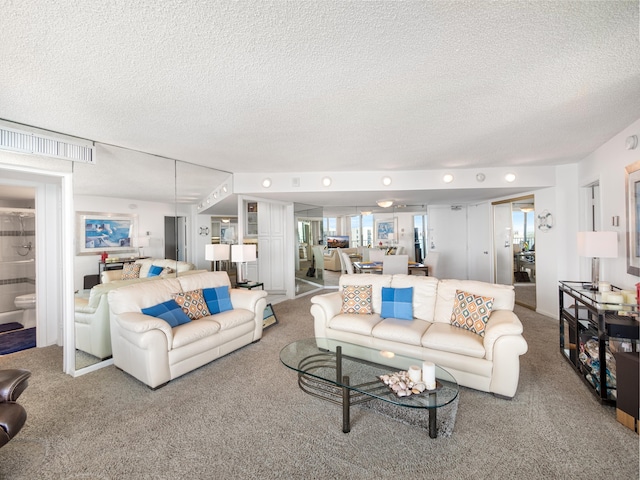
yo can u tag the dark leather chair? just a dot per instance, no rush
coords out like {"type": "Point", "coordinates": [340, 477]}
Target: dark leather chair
{"type": "Point", "coordinates": [12, 415]}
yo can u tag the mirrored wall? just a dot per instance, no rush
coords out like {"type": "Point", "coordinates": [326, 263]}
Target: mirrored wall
{"type": "Point", "coordinates": [320, 230]}
{"type": "Point", "coordinates": [131, 205]}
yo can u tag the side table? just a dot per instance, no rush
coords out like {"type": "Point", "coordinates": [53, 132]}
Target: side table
{"type": "Point", "coordinates": [250, 285]}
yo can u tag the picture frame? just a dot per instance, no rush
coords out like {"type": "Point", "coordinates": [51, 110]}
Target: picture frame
{"type": "Point", "coordinates": [106, 232]}
{"type": "Point", "coordinates": [269, 317]}
{"type": "Point", "coordinates": [632, 192]}
{"type": "Point", "coordinates": [385, 230]}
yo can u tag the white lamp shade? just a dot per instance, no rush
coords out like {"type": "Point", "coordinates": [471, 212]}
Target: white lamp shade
{"type": "Point", "coordinates": [243, 253]}
{"type": "Point", "coordinates": [598, 244]}
{"type": "Point", "coordinates": [143, 241]}
{"type": "Point", "coordinates": [216, 252]}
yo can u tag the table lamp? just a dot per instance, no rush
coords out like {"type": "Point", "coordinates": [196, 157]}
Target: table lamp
{"type": "Point", "coordinates": [242, 254]}
{"type": "Point", "coordinates": [216, 252]}
{"type": "Point", "coordinates": [142, 242]}
{"type": "Point", "coordinates": [597, 245]}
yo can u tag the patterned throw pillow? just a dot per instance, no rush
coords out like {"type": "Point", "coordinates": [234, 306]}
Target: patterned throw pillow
{"type": "Point", "coordinates": [131, 271]}
{"type": "Point", "coordinates": [217, 299]}
{"type": "Point", "coordinates": [471, 312]}
{"type": "Point", "coordinates": [154, 271]}
{"type": "Point", "coordinates": [168, 311]}
{"type": "Point", "coordinates": [397, 303]}
{"type": "Point", "coordinates": [192, 304]}
{"type": "Point", "coordinates": [356, 299]}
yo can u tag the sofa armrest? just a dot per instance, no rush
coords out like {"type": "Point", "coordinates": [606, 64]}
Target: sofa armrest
{"type": "Point", "coordinates": [81, 305]}
{"type": "Point", "coordinates": [139, 323]}
{"type": "Point", "coordinates": [247, 299]}
{"type": "Point", "coordinates": [501, 323]}
{"type": "Point", "coordinates": [323, 308]}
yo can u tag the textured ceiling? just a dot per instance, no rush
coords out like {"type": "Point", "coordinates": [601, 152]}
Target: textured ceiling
{"type": "Point", "coordinates": [257, 86]}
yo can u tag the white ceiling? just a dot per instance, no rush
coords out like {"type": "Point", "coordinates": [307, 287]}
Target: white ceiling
{"type": "Point", "coordinates": [296, 86]}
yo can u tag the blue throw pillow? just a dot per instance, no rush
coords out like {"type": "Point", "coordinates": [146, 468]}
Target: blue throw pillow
{"type": "Point", "coordinates": [168, 311]}
{"type": "Point", "coordinates": [397, 303]}
{"type": "Point", "coordinates": [154, 271]}
{"type": "Point", "coordinates": [217, 299]}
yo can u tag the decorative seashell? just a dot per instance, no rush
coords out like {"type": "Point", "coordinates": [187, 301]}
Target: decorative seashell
{"type": "Point", "coordinates": [403, 385]}
{"type": "Point", "coordinates": [421, 387]}
{"type": "Point", "coordinates": [415, 390]}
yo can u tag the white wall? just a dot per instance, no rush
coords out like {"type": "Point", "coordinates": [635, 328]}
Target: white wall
{"type": "Point", "coordinates": [607, 166]}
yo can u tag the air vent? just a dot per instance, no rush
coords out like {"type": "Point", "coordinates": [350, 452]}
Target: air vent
{"type": "Point", "coordinates": [68, 148]}
{"type": "Point", "coordinates": [456, 207]}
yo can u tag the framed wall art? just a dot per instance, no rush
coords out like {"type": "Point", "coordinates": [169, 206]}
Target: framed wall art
{"type": "Point", "coordinates": [385, 230]}
{"type": "Point", "coordinates": [106, 232]}
{"type": "Point", "coordinates": [632, 177]}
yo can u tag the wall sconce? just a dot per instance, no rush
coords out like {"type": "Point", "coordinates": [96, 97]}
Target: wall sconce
{"type": "Point", "coordinates": [545, 221]}
{"type": "Point", "coordinates": [204, 231]}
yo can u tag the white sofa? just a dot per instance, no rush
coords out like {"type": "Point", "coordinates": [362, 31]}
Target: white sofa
{"type": "Point", "coordinates": [149, 349]}
{"type": "Point", "coordinates": [145, 264]}
{"type": "Point", "coordinates": [489, 363]}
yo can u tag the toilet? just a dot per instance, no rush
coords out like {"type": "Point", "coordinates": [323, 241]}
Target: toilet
{"type": "Point", "coordinates": [27, 303]}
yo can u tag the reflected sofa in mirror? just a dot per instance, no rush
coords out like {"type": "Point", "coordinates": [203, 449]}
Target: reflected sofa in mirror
{"type": "Point", "coordinates": [309, 257]}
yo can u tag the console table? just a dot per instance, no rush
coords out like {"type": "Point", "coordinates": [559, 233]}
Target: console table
{"type": "Point", "coordinates": [585, 315]}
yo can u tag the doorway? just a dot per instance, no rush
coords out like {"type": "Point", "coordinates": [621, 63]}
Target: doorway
{"type": "Point", "coordinates": [514, 247]}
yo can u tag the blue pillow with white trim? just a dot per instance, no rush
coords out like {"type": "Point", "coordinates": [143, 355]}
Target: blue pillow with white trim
{"type": "Point", "coordinates": [218, 299]}
{"type": "Point", "coordinates": [168, 311]}
{"type": "Point", "coordinates": [397, 303]}
{"type": "Point", "coordinates": [154, 271]}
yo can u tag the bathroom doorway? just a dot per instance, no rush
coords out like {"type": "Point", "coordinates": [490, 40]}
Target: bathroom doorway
{"type": "Point", "coordinates": [17, 268]}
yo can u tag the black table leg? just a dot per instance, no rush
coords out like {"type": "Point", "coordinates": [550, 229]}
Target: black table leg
{"type": "Point", "coordinates": [346, 405]}
{"type": "Point", "coordinates": [433, 429]}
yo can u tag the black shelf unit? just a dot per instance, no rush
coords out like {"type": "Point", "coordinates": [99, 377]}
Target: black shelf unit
{"type": "Point", "coordinates": [585, 315]}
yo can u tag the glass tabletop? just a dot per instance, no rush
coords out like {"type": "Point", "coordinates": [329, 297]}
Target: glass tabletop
{"type": "Point", "coordinates": [316, 357]}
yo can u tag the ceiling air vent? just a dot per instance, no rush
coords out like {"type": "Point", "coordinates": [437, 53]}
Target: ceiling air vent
{"type": "Point", "coordinates": [68, 148]}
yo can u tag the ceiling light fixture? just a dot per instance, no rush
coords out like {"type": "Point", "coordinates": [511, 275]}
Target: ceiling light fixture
{"type": "Point", "coordinates": [365, 212]}
{"type": "Point", "coordinates": [326, 181]}
{"type": "Point", "coordinates": [266, 183]}
{"type": "Point", "coordinates": [224, 189]}
{"type": "Point", "coordinates": [448, 178]}
{"type": "Point", "coordinates": [510, 177]}
{"type": "Point", "coordinates": [386, 181]}
{"type": "Point", "coordinates": [385, 203]}
{"type": "Point", "coordinates": [526, 209]}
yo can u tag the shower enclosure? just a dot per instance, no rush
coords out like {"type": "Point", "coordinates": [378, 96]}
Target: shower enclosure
{"type": "Point", "coordinates": [17, 259]}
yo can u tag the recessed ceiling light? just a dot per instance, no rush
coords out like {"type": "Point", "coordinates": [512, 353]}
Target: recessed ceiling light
{"type": "Point", "coordinates": [386, 181]}
{"type": "Point", "coordinates": [510, 177]}
{"type": "Point", "coordinates": [326, 181]}
{"type": "Point", "coordinates": [266, 183]}
{"type": "Point", "coordinates": [447, 178]}
{"type": "Point", "coordinates": [224, 188]}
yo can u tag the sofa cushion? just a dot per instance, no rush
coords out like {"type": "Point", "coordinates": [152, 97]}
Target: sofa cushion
{"type": "Point", "coordinates": [130, 270]}
{"type": "Point", "coordinates": [424, 293]}
{"type": "Point", "coordinates": [503, 296]}
{"type": "Point", "coordinates": [471, 312]}
{"type": "Point", "coordinates": [447, 338]}
{"type": "Point", "coordinates": [168, 311]}
{"type": "Point", "coordinates": [194, 331]}
{"type": "Point", "coordinates": [232, 318]}
{"type": "Point", "coordinates": [193, 304]}
{"type": "Point", "coordinates": [217, 299]}
{"type": "Point", "coordinates": [376, 282]}
{"type": "Point", "coordinates": [401, 331]}
{"type": "Point", "coordinates": [154, 271]}
{"type": "Point", "coordinates": [354, 323]}
{"type": "Point", "coordinates": [397, 303]}
{"type": "Point", "coordinates": [356, 299]}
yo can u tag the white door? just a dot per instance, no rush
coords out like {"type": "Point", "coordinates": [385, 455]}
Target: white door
{"type": "Point", "coordinates": [502, 238]}
{"type": "Point", "coordinates": [479, 241]}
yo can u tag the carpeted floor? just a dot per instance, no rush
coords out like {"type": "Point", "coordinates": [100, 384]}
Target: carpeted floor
{"type": "Point", "coordinates": [243, 416]}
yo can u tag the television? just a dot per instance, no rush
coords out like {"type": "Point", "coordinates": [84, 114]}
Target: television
{"type": "Point", "coordinates": [340, 241]}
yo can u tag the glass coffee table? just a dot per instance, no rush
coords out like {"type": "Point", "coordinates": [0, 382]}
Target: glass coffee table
{"type": "Point", "coordinates": [348, 374]}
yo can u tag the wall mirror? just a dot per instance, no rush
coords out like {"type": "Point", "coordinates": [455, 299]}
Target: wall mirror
{"type": "Point", "coordinates": [158, 199]}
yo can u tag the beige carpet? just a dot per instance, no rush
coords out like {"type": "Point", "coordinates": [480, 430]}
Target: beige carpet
{"type": "Point", "coordinates": [243, 416]}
